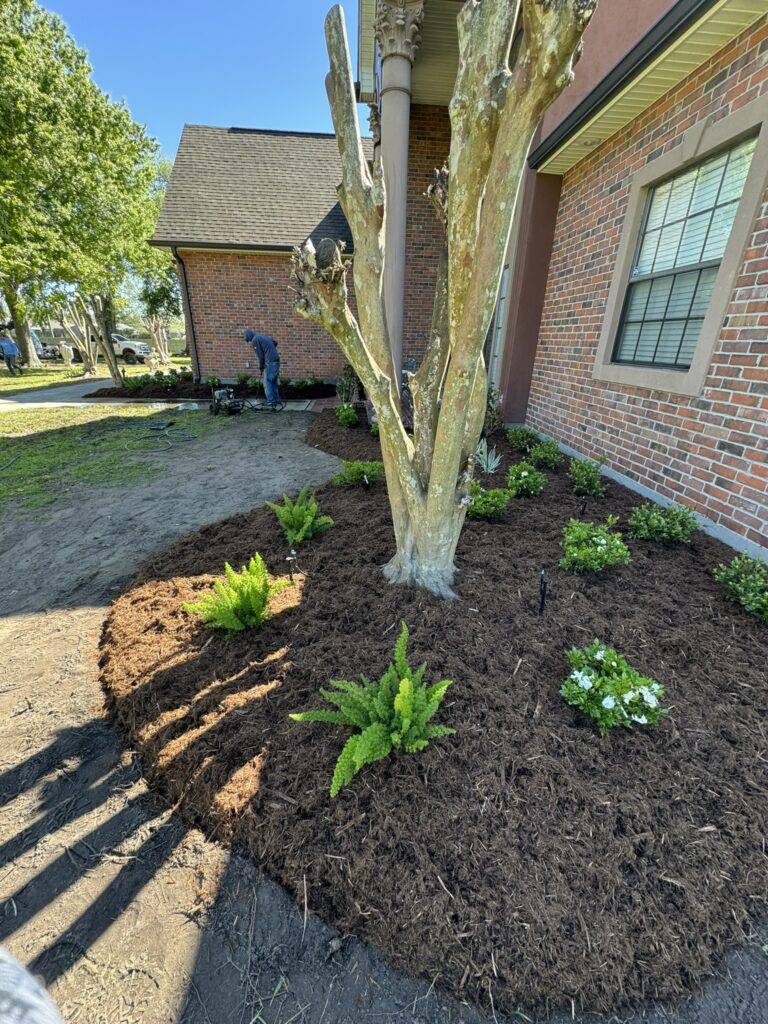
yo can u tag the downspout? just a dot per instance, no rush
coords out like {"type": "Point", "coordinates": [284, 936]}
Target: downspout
{"type": "Point", "coordinates": [190, 318]}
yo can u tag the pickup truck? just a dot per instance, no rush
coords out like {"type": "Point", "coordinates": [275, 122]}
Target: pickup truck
{"type": "Point", "coordinates": [128, 349]}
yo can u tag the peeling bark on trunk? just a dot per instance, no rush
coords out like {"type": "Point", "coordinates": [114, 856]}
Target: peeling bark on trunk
{"type": "Point", "coordinates": [98, 311]}
{"type": "Point", "coordinates": [18, 311]}
{"type": "Point", "coordinates": [158, 334]}
{"type": "Point", "coordinates": [494, 112]}
{"type": "Point", "coordinates": [77, 327]}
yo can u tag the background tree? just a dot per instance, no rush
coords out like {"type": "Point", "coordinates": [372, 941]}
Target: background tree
{"type": "Point", "coordinates": [42, 76]}
{"type": "Point", "coordinates": [494, 112]}
{"type": "Point", "coordinates": [74, 174]}
{"type": "Point", "coordinates": [159, 290]}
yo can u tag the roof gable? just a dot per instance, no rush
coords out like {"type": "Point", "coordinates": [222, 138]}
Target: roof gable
{"type": "Point", "coordinates": [252, 188]}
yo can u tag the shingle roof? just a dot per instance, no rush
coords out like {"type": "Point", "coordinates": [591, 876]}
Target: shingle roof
{"type": "Point", "coordinates": [252, 188]}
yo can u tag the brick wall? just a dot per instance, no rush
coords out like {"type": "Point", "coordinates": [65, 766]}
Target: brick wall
{"type": "Point", "coordinates": [230, 291]}
{"type": "Point", "coordinates": [428, 145]}
{"type": "Point", "coordinates": [708, 452]}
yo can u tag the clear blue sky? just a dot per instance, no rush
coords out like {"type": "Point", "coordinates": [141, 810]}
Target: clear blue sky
{"type": "Point", "coordinates": [251, 63]}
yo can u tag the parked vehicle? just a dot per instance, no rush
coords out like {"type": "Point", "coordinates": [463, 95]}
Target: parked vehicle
{"type": "Point", "coordinates": [131, 350]}
{"type": "Point", "coordinates": [44, 351]}
{"type": "Point", "coordinates": [128, 349]}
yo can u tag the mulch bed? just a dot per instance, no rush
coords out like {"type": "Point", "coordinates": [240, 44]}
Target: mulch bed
{"type": "Point", "coordinates": [189, 390]}
{"type": "Point", "coordinates": [524, 859]}
{"type": "Point", "coordinates": [346, 442]}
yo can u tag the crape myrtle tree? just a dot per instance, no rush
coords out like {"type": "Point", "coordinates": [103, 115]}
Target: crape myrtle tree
{"type": "Point", "coordinates": [159, 284]}
{"type": "Point", "coordinates": [497, 103]}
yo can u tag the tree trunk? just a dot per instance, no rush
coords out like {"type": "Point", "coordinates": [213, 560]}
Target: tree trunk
{"type": "Point", "coordinates": [159, 336]}
{"type": "Point", "coordinates": [79, 333]}
{"type": "Point", "coordinates": [99, 313]}
{"type": "Point", "coordinates": [494, 112]}
{"type": "Point", "coordinates": [17, 309]}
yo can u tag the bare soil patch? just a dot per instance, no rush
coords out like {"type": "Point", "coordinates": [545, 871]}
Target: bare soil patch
{"type": "Point", "coordinates": [523, 860]}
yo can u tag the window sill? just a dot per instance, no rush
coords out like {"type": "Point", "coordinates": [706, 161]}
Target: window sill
{"type": "Point", "coordinates": [652, 378]}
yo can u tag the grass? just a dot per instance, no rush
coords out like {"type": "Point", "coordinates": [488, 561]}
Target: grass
{"type": "Point", "coordinates": [56, 374]}
{"type": "Point", "coordinates": [44, 452]}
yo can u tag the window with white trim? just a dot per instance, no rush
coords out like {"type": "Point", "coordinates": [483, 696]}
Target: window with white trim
{"type": "Point", "coordinates": [686, 226]}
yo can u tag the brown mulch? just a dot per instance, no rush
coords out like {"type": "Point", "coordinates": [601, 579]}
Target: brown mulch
{"type": "Point", "coordinates": [190, 390]}
{"type": "Point", "coordinates": [524, 859]}
{"type": "Point", "coordinates": [346, 442]}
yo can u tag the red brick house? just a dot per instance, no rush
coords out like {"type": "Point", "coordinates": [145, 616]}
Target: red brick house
{"type": "Point", "coordinates": [632, 321]}
{"type": "Point", "coordinates": [238, 201]}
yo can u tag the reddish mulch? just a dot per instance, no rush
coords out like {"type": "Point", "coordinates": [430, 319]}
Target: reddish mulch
{"type": "Point", "coordinates": [523, 858]}
{"type": "Point", "coordinates": [346, 442]}
{"type": "Point", "coordinates": [187, 389]}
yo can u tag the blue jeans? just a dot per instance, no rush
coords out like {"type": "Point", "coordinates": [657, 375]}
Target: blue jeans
{"type": "Point", "coordinates": [271, 379]}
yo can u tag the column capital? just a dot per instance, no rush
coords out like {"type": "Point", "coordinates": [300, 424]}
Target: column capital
{"type": "Point", "coordinates": [398, 27]}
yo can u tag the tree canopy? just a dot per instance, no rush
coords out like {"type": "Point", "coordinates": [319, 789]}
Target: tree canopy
{"type": "Point", "coordinates": [76, 171]}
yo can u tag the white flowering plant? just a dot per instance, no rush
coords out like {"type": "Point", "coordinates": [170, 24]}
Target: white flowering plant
{"type": "Point", "coordinates": [525, 481]}
{"type": "Point", "coordinates": [604, 686]}
{"type": "Point", "coordinates": [592, 547]}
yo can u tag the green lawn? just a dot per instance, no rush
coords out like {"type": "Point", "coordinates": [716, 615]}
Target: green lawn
{"type": "Point", "coordinates": [55, 374]}
{"type": "Point", "coordinates": [46, 451]}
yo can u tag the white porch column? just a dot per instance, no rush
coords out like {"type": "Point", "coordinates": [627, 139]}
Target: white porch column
{"type": "Point", "coordinates": [398, 33]}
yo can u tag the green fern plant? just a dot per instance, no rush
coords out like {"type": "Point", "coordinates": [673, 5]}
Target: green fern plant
{"type": "Point", "coordinates": [391, 714]}
{"type": "Point", "coordinates": [300, 518]}
{"type": "Point", "coordinates": [240, 600]}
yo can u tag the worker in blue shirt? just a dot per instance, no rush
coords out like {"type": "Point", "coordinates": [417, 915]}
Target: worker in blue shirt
{"type": "Point", "coordinates": [10, 353]}
{"type": "Point", "coordinates": [265, 347]}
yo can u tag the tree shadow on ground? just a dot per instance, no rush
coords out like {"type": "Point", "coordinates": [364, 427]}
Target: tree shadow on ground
{"type": "Point", "coordinates": [87, 776]}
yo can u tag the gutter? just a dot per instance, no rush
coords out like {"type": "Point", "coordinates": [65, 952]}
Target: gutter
{"type": "Point", "coordinates": [188, 302]}
{"type": "Point", "coordinates": [674, 23]}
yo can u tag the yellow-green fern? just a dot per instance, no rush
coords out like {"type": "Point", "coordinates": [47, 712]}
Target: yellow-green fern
{"type": "Point", "coordinates": [391, 714]}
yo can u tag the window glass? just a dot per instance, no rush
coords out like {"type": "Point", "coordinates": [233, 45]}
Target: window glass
{"type": "Point", "coordinates": [687, 225]}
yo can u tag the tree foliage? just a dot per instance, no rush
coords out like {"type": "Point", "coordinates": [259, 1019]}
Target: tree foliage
{"type": "Point", "coordinates": [75, 173]}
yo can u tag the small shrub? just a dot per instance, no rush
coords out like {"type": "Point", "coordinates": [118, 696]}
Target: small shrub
{"type": "Point", "coordinates": [391, 714]}
{"type": "Point", "coordinates": [213, 382]}
{"type": "Point", "coordinates": [346, 415]}
{"type": "Point", "coordinates": [357, 473]}
{"type": "Point", "coordinates": [254, 384]}
{"type": "Point", "coordinates": [592, 547]}
{"type": "Point", "coordinates": [746, 581]}
{"type": "Point", "coordinates": [488, 459]}
{"type": "Point", "coordinates": [374, 430]}
{"type": "Point", "coordinates": [586, 478]}
{"type": "Point", "coordinates": [159, 376]}
{"type": "Point", "coordinates": [186, 375]}
{"type": "Point", "coordinates": [607, 688]}
{"type": "Point", "coordinates": [522, 439]}
{"type": "Point", "coordinates": [493, 414]}
{"type": "Point", "coordinates": [137, 383]}
{"type": "Point", "coordinates": [523, 481]}
{"type": "Point", "coordinates": [240, 600]}
{"type": "Point", "coordinates": [666, 525]}
{"type": "Point", "coordinates": [300, 518]}
{"type": "Point", "coordinates": [487, 504]}
{"type": "Point", "coordinates": [243, 379]}
{"type": "Point", "coordinates": [347, 386]}
{"type": "Point", "coordinates": [546, 455]}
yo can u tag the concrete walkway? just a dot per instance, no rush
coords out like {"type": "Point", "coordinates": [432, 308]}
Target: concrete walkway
{"type": "Point", "coordinates": [75, 395]}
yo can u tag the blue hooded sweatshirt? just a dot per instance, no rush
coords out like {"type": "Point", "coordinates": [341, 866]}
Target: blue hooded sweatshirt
{"type": "Point", "coordinates": [8, 346]}
{"type": "Point", "coordinates": [264, 346]}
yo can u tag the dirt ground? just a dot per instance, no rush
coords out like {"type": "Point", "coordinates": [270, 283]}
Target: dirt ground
{"type": "Point", "coordinates": [126, 913]}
